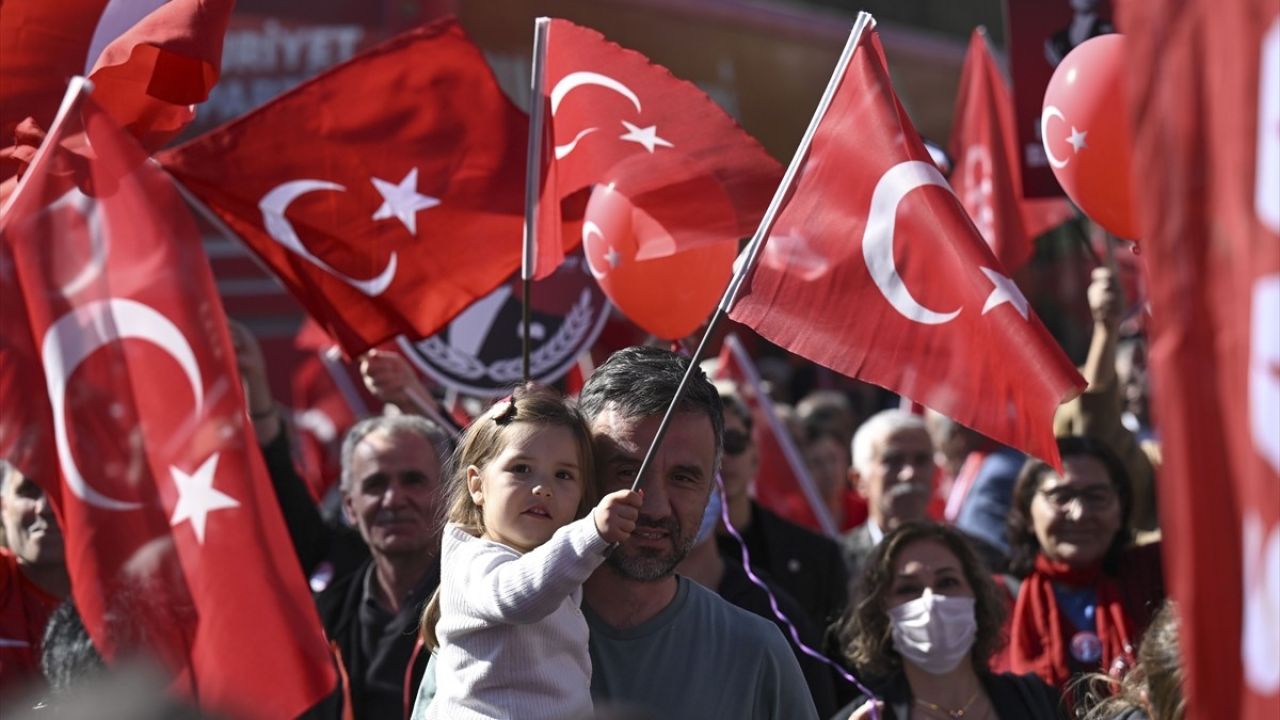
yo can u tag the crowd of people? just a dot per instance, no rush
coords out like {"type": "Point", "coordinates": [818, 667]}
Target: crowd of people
{"type": "Point", "coordinates": [512, 572]}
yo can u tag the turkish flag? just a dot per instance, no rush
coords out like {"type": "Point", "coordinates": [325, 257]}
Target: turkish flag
{"type": "Point", "coordinates": [984, 145]}
{"type": "Point", "coordinates": [1205, 112]}
{"type": "Point", "coordinates": [175, 544]}
{"type": "Point", "coordinates": [150, 62]}
{"type": "Point", "coordinates": [875, 270]}
{"type": "Point", "coordinates": [387, 193]}
{"type": "Point", "coordinates": [614, 117]}
{"type": "Point", "coordinates": [782, 483]}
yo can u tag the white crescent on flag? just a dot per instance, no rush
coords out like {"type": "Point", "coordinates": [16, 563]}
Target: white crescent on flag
{"type": "Point", "coordinates": [877, 238]}
{"type": "Point", "coordinates": [72, 338]}
{"type": "Point", "coordinates": [90, 210]}
{"type": "Point", "coordinates": [273, 206]}
{"type": "Point", "coordinates": [578, 79]}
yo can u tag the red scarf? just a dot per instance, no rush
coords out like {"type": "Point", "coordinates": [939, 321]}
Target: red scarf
{"type": "Point", "coordinates": [1038, 640]}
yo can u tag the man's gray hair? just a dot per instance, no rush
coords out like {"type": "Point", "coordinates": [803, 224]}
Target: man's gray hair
{"type": "Point", "coordinates": [873, 432]}
{"type": "Point", "coordinates": [392, 425]}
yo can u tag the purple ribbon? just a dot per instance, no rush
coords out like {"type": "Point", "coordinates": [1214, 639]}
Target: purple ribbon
{"type": "Point", "coordinates": [777, 611]}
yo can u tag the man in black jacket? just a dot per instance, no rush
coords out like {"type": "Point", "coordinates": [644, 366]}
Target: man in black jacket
{"type": "Point", "coordinates": [382, 573]}
{"type": "Point", "coordinates": [807, 565]}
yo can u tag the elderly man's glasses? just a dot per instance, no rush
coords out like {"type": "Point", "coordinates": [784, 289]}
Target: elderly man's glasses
{"type": "Point", "coordinates": [1094, 499]}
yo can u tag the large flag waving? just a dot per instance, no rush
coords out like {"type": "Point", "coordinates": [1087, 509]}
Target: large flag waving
{"type": "Point", "coordinates": [874, 270]}
{"type": "Point", "coordinates": [150, 62]}
{"type": "Point", "coordinates": [984, 145]}
{"type": "Point", "coordinates": [1204, 86]}
{"type": "Point", "coordinates": [175, 544]}
{"type": "Point", "coordinates": [614, 117]}
{"type": "Point", "coordinates": [385, 193]}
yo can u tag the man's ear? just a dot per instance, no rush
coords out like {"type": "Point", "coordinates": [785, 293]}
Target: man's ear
{"type": "Point", "coordinates": [474, 486]}
{"type": "Point", "coordinates": [858, 483]}
{"type": "Point", "coordinates": [348, 509]}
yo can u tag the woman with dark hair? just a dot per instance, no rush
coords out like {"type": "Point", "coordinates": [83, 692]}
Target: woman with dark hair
{"type": "Point", "coordinates": [924, 629]}
{"type": "Point", "coordinates": [1086, 594]}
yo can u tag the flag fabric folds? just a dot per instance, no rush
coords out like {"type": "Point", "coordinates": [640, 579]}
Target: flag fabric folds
{"type": "Point", "coordinates": [615, 118]}
{"type": "Point", "coordinates": [1205, 100]}
{"type": "Point", "coordinates": [386, 194]}
{"type": "Point", "coordinates": [175, 543]}
{"type": "Point", "coordinates": [984, 147]}
{"type": "Point", "coordinates": [874, 270]}
{"type": "Point", "coordinates": [150, 62]}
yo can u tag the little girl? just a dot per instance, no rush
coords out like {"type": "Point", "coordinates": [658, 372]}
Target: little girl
{"type": "Point", "coordinates": [509, 637]}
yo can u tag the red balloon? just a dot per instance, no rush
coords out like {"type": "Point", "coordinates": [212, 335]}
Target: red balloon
{"type": "Point", "coordinates": [668, 296]}
{"type": "Point", "coordinates": [1085, 127]}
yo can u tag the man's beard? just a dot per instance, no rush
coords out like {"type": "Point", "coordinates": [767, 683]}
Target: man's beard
{"type": "Point", "coordinates": [647, 565]}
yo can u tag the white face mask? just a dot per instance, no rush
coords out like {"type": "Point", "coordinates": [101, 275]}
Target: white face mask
{"type": "Point", "coordinates": [934, 632]}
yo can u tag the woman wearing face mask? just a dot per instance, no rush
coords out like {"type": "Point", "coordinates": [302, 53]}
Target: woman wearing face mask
{"type": "Point", "coordinates": [924, 631]}
{"type": "Point", "coordinates": [1085, 595]}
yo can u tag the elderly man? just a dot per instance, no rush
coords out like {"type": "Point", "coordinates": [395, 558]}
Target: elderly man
{"type": "Point", "coordinates": [390, 485]}
{"type": "Point", "coordinates": [391, 476]}
{"type": "Point", "coordinates": [376, 579]}
{"type": "Point", "coordinates": [658, 640]}
{"type": "Point", "coordinates": [33, 575]}
{"type": "Point", "coordinates": [893, 469]}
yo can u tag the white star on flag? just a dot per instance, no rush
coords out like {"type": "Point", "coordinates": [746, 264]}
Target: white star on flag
{"type": "Point", "coordinates": [402, 201]}
{"type": "Point", "coordinates": [1077, 139]}
{"type": "Point", "coordinates": [648, 137]}
{"type": "Point", "coordinates": [1006, 291]}
{"type": "Point", "coordinates": [197, 498]}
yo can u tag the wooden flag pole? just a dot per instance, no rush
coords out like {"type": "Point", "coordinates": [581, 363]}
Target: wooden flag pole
{"type": "Point", "coordinates": [752, 251]}
{"type": "Point", "coordinates": [532, 184]}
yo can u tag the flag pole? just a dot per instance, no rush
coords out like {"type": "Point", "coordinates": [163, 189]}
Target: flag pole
{"type": "Point", "coordinates": [752, 251]}
{"type": "Point", "coordinates": [532, 184]}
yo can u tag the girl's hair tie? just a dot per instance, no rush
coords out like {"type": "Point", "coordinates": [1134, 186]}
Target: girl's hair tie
{"type": "Point", "coordinates": [504, 411]}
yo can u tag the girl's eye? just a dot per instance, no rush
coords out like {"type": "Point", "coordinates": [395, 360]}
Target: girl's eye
{"type": "Point", "coordinates": [947, 582]}
{"type": "Point", "coordinates": [520, 468]}
{"type": "Point", "coordinates": [907, 590]}
{"type": "Point", "coordinates": [565, 475]}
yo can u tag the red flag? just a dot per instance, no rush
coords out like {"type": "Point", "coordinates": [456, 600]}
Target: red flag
{"type": "Point", "coordinates": [1205, 100]}
{"type": "Point", "coordinates": [875, 271]}
{"type": "Point", "coordinates": [150, 61]}
{"type": "Point", "coordinates": [175, 543]}
{"type": "Point", "coordinates": [616, 118]}
{"type": "Point", "coordinates": [783, 483]}
{"type": "Point", "coordinates": [386, 193]}
{"type": "Point", "coordinates": [323, 394]}
{"type": "Point", "coordinates": [985, 148]}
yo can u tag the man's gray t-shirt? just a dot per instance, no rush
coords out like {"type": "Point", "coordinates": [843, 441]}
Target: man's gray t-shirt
{"type": "Point", "coordinates": [699, 658]}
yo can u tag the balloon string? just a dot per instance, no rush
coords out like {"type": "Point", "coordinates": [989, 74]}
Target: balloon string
{"type": "Point", "coordinates": [777, 611]}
